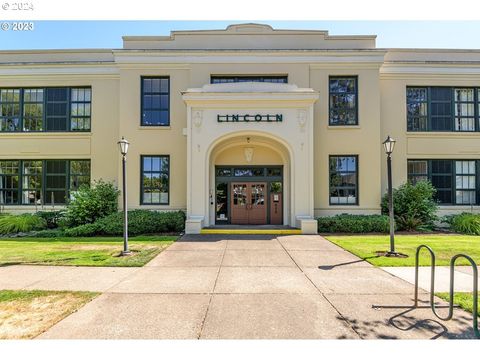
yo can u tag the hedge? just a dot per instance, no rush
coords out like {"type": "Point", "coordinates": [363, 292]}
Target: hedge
{"type": "Point", "coordinates": [139, 222]}
{"type": "Point", "coordinates": [346, 223]}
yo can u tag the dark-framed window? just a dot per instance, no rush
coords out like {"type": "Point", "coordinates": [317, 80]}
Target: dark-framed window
{"type": "Point", "coordinates": [155, 180]}
{"type": "Point", "coordinates": [441, 108]}
{"type": "Point", "coordinates": [155, 107]}
{"type": "Point", "coordinates": [222, 79]}
{"type": "Point", "coordinates": [80, 109]}
{"type": "Point", "coordinates": [10, 110]}
{"type": "Point", "coordinates": [41, 182]}
{"type": "Point", "coordinates": [52, 109]}
{"type": "Point", "coordinates": [343, 179]}
{"type": "Point", "coordinates": [456, 181]}
{"type": "Point", "coordinates": [9, 182]}
{"type": "Point", "coordinates": [343, 100]}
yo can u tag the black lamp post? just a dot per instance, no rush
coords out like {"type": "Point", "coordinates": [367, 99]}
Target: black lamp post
{"type": "Point", "coordinates": [123, 145]}
{"type": "Point", "coordinates": [389, 145]}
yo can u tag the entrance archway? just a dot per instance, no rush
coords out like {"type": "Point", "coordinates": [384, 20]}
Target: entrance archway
{"type": "Point", "coordinates": [249, 180]}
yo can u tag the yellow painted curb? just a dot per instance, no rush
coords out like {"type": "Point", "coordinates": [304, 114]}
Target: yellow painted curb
{"type": "Point", "coordinates": [252, 231]}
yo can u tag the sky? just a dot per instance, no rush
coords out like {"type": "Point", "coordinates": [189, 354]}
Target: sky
{"type": "Point", "coordinates": [108, 34]}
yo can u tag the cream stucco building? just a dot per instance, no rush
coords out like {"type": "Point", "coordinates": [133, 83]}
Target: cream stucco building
{"type": "Point", "coordinates": [247, 125]}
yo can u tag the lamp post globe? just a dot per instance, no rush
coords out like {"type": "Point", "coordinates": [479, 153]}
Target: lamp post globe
{"type": "Point", "coordinates": [123, 146]}
{"type": "Point", "coordinates": [389, 145]}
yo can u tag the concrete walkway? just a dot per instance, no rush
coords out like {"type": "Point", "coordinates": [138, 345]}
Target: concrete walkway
{"type": "Point", "coordinates": [241, 287]}
{"type": "Point", "coordinates": [463, 277]}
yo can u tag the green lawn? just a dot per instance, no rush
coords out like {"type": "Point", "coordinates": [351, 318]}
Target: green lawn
{"type": "Point", "coordinates": [24, 314]}
{"type": "Point", "coordinates": [462, 299]}
{"type": "Point", "coordinates": [444, 246]}
{"type": "Point", "coordinates": [96, 251]}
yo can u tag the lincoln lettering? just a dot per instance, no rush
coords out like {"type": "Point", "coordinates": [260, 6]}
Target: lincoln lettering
{"type": "Point", "coordinates": [250, 118]}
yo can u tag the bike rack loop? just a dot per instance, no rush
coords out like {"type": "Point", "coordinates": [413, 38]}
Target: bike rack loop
{"type": "Point", "coordinates": [452, 285]}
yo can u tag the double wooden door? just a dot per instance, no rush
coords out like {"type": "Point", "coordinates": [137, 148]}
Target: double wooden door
{"type": "Point", "coordinates": [249, 203]}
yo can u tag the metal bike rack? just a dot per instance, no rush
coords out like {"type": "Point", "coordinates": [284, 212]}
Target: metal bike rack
{"type": "Point", "coordinates": [452, 287]}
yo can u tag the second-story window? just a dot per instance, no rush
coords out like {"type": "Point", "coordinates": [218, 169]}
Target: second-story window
{"type": "Point", "coordinates": [343, 100]}
{"type": "Point", "coordinates": [45, 109]}
{"type": "Point", "coordinates": [155, 101]}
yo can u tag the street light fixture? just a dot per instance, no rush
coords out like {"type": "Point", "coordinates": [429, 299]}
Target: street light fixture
{"type": "Point", "coordinates": [389, 145]}
{"type": "Point", "coordinates": [123, 145]}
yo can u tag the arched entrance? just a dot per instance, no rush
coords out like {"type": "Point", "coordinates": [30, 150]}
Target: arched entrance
{"type": "Point", "coordinates": [250, 126]}
{"type": "Point", "coordinates": [249, 181]}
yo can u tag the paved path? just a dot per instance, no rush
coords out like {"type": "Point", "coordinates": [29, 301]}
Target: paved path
{"type": "Point", "coordinates": [232, 287]}
{"type": "Point", "coordinates": [463, 277]}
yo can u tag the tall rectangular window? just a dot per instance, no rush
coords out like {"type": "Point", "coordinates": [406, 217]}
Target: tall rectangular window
{"type": "Point", "coordinates": [32, 182]}
{"type": "Point", "coordinates": [10, 108]}
{"type": "Point", "coordinates": [80, 109]}
{"type": "Point", "coordinates": [343, 100]}
{"type": "Point", "coordinates": [155, 101]}
{"type": "Point", "coordinates": [465, 180]}
{"type": "Point", "coordinates": [55, 181]}
{"type": "Point", "coordinates": [33, 110]}
{"type": "Point", "coordinates": [155, 180]}
{"type": "Point", "coordinates": [417, 109]}
{"type": "Point", "coordinates": [441, 109]}
{"type": "Point", "coordinates": [57, 109]}
{"type": "Point", "coordinates": [9, 181]}
{"type": "Point", "coordinates": [464, 109]}
{"type": "Point", "coordinates": [343, 180]}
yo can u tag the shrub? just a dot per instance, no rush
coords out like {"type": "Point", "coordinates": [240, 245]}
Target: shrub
{"type": "Point", "coordinates": [414, 206]}
{"type": "Point", "coordinates": [48, 233]}
{"type": "Point", "coordinates": [53, 218]}
{"type": "Point", "coordinates": [139, 222]}
{"type": "Point", "coordinates": [465, 223]}
{"type": "Point", "coordinates": [92, 203]}
{"type": "Point", "coordinates": [12, 224]}
{"type": "Point", "coordinates": [346, 223]}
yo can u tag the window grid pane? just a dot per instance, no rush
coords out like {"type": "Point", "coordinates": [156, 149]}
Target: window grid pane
{"type": "Point", "coordinates": [417, 170]}
{"type": "Point", "coordinates": [55, 181]}
{"type": "Point", "coordinates": [9, 110]}
{"type": "Point", "coordinates": [156, 101]}
{"type": "Point", "coordinates": [33, 110]}
{"type": "Point", "coordinates": [465, 179]}
{"type": "Point", "coordinates": [79, 174]}
{"type": "Point", "coordinates": [155, 180]}
{"type": "Point", "coordinates": [80, 109]}
{"type": "Point", "coordinates": [343, 180]}
{"type": "Point", "coordinates": [32, 182]}
{"type": "Point", "coordinates": [343, 101]}
{"type": "Point", "coordinates": [464, 109]}
{"type": "Point", "coordinates": [417, 109]}
{"type": "Point", "coordinates": [9, 182]}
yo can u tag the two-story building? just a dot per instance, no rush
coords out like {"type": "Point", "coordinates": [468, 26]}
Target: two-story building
{"type": "Point", "coordinates": [243, 126]}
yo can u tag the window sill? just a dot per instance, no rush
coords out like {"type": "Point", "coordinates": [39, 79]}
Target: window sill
{"type": "Point", "coordinates": [343, 127]}
{"type": "Point", "coordinates": [155, 128]}
{"type": "Point", "coordinates": [442, 133]}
